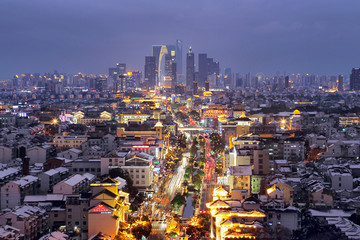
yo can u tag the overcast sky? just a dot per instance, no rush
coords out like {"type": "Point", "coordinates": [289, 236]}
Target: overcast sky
{"type": "Point", "coordinates": [269, 36]}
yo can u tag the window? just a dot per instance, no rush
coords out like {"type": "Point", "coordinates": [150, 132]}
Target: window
{"type": "Point", "coordinates": [69, 210]}
{"type": "Point", "coordinates": [137, 182]}
{"type": "Point", "coordinates": [56, 215]}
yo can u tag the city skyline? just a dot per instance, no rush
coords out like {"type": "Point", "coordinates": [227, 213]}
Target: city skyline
{"type": "Point", "coordinates": [267, 37]}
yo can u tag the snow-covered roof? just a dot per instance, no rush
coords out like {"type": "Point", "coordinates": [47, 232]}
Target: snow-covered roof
{"type": "Point", "coordinates": [8, 172]}
{"type": "Point", "coordinates": [331, 213]}
{"type": "Point", "coordinates": [240, 170]}
{"type": "Point", "coordinates": [26, 180]}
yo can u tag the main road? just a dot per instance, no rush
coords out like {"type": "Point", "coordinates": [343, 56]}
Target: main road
{"type": "Point", "coordinates": [164, 209]}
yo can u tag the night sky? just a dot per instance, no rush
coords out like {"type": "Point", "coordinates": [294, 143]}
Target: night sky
{"type": "Point", "coordinates": [269, 36]}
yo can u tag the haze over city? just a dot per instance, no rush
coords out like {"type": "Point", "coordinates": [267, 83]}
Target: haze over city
{"type": "Point", "coordinates": [179, 120]}
{"type": "Point", "coordinates": [318, 36]}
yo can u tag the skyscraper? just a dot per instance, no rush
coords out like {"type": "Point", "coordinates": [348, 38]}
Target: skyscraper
{"type": "Point", "coordinates": [170, 67]}
{"type": "Point", "coordinates": [179, 66]}
{"type": "Point", "coordinates": [203, 69]}
{"type": "Point", "coordinates": [228, 78]}
{"type": "Point", "coordinates": [287, 82]}
{"type": "Point", "coordinates": [150, 72]}
{"type": "Point", "coordinates": [355, 79]}
{"type": "Point", "coordinates": [190, 69]}
{"type": "Point", "coordinates": [115, 72]}
{"type": "Point", "coordinates": [340, 86]}
{"type": "Point", "coordinates": [158, 52]}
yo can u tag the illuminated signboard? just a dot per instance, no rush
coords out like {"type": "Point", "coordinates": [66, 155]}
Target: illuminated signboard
{"type": "Point", "coordinates": [101, 209]}
{"type": "Point", "coordinates": [141, 146]}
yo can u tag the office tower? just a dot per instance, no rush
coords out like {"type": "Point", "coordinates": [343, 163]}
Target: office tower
{"type": "Point", "coordinates": [203, 69]}
{"type": "Point", "coordinates": [247, 80]}
{"type": "Point", "coordinates": [195, 87]}
{"type": "Point", "coordinates": [207, 86]}
{"type": "Point", "coordinates": [355, 79]}
{"type": "Point", "coordinates": [137, 78]}
{"type": "Point", "coordinates": [15, 81]}
{"type": "Point", "coordinates": [340, 86]}
{"type": "Point", "coordinates": [115, 72]}
{"type": "Point", "coordinates": [190, 69]}
{"type": "Point", "coordinates": [179, 66]}
{"type": "Point", "coordinates": [119, 83]}
{"type": "Point", "coordinates": [158, 52]}
{"type": "Point", "coordinates": [100, 84]}
{"type": "Point", "coordinates": [121, 68]}
{"type": "Point", "coordinates": [287, 82]}
{"type": "Point", "coordinates": [227, 78]}
{"type": "Point", "coordinates": [170, 68]}
{"type": "Point", "coordinates": [150, 71]}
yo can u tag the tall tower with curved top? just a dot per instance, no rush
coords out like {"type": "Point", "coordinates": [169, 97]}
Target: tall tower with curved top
{"type": "Point", "coordinates": [158, 52]}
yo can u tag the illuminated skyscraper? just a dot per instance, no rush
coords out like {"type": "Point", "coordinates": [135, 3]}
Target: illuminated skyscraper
{"type": "Point", "coordinates": [355, 79]}
{"type": "Point", "coordinates": [190, 69]}
{"type": "Point", "coordinates": [340, 86]}
{"type": "Point", "coordinates": [170, 67]}
{"type": "Point", "coordinates": [158, 52]}
{"type": "Point", "coordinates": [287, 82]}
{"type": "Point", "coordinates": [203, 69]}
{"type": "Point", "coordinates": [150, 71]}
{"type": "Point", "coordinates": [179, 66]}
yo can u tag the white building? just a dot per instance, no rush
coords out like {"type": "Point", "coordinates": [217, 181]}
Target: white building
{"type": "Point", "coordinates": [294, 149]}
{"type": "Point", "coordinates": [31, 221]}
{"type": "Point", "coordinates": [49, 178]}
{"type": "Point", "coordinates": [9, 233]}
{"type": "Point", "coordinates": [5, 154]}
{"type": "Point", "coordinates": [80, 166]}
{"type": "Point", "coordinates": [74, 184]}
{"type": "Point", "coordinates": [8, 174]}
{"type": "Point", "coordinates": [340, 178]}
{"type": "Point", "coordinates": [289, 218]}
{"type": "Point", "coordinates": [14, 192]}
{"type": "Point", "coordinates": [71, 154]}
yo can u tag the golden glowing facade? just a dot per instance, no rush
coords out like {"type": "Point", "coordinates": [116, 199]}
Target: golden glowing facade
{"type": "Point", "coordinates": [231, 219]}
{"type": "Point", "coordinates": [109, 208]}
{"type": "Point", "coordinates": [79, 117]}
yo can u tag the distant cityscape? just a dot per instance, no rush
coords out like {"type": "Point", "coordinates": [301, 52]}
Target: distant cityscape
{"type": "Point", "coordinates": [182, 149]}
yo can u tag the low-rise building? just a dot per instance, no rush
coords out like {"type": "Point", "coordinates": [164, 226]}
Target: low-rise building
{"type": "Point", "coordinates": [14, 192]}
{"type": "Point", "coordinates": [30, 220]}
{"type": "Point", "coordinates": [75, 184]}
{"type": "Point", "coordinates": [51, 177]}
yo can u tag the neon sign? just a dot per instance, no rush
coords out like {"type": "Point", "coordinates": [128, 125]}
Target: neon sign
{"type": "Point", "coordinates": [100, 209]}
{"type": "Point", "coordinates": [141, 146]}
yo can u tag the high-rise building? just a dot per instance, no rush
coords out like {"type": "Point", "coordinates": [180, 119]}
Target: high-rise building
{"type": "Point", "coordinates": [121, 67]}
{"type": "Point", "coordinates": [150, 71]}
{"type": "Point", "coordinates": [340, 86]}
{"type": "Point", "coordinates": [228, 78]}
{"type": "Point", "coordinates": [100, 84]}
{"type": "Point", "coordinates": [190, 69]}
{"type": "Point", "coordinates": [179, 66]}
{"type": "Point", "coordinates": [355, 79]}
{"type": "Point", "coordinates": [158, 52]}
{"type": "Point", "coordinates": [195, 87]}
{"type": "Point", "coordinates": [203, 69]}
{"type": "Point", "coordinates": [287, 82]}
{"type": "Point", "coordinates": [115, 72]}
{"type": "Point", "coordinates": [170, 67]}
